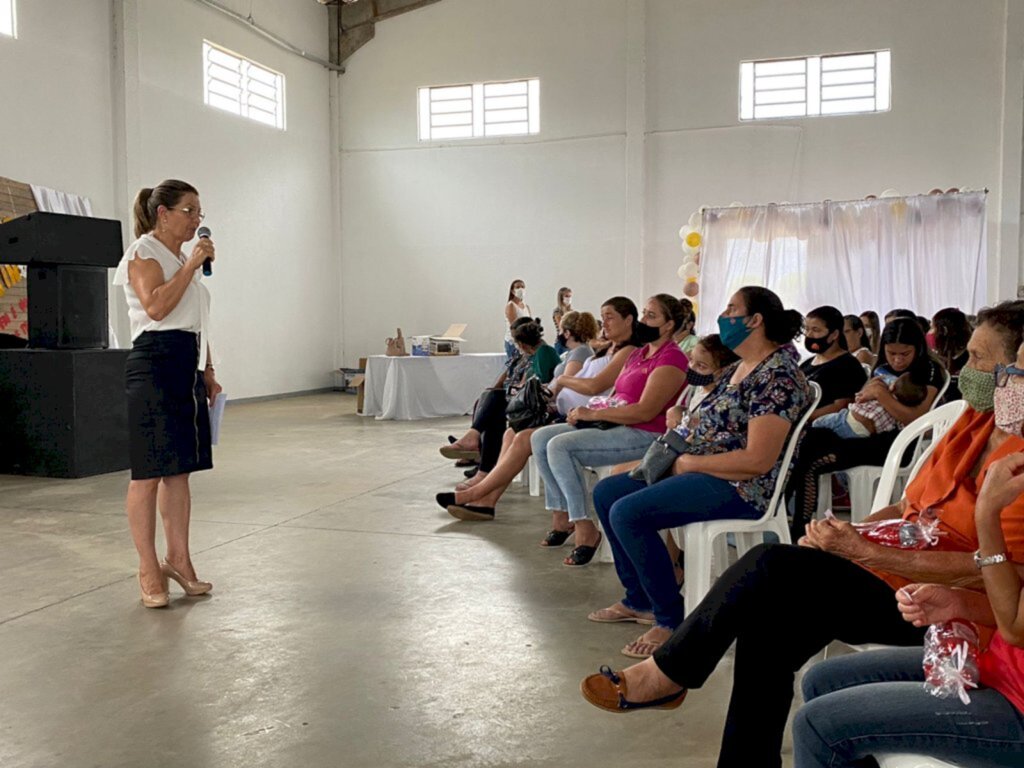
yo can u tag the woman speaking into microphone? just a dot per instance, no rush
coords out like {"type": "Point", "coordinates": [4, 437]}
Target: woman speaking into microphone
{"type": "Point", "coordinates": [170, 380]}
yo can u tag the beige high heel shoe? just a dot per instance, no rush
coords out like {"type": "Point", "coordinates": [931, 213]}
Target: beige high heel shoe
{"type": "Point", "coordinates": [155, 600]}
{"type": "Point", "coordinates": [192, 588]}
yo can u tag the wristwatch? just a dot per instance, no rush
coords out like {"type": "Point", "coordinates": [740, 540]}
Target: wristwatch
{"type": "Point", "coordinates": [981, 562]}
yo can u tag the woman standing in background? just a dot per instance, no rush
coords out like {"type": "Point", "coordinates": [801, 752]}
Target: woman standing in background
{"type": "Point", "coordinates": [874, 329]}
{"type": "Point", "coordinates": [562, 308]}
{"type": "Point", "coordinates": [514, 309]}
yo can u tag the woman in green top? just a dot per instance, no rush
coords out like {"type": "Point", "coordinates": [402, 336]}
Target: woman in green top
{"type": "Point", "coordinates": [529, 338]}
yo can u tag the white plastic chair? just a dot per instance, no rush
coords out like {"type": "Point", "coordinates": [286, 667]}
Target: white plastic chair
{"type": "Point", "coordinates": [893, 478]}
{"type": "Point", "coordinates": [911, 761]}
{"type": "Point", "coordinates": [705, 543]}
{"type": "Point", "coordinates": [594, 476]}
{"type": "Point", "coordinates": [530, 476]}
{"type": "Point", "coordinates": [863, 480]}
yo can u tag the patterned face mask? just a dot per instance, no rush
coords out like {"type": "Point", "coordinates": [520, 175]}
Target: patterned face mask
{"type": "Point", "coordinates": [978, 388]}
{"type": "Point", "coordinates": [1009, 402]}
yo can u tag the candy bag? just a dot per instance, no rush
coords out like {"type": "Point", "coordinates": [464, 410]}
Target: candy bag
{"type": "Point", "coordinates": [902, 534]}
{"type": "Point", "coordinates": [951, 660]}
{"type": "Point", "coordinates": [600, 402]}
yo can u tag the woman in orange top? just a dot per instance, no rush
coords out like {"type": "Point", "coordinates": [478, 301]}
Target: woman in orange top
{"type": "Point", "coordinates": [782, 604]}
{"type": "Point", "coordinates": [874, 703]}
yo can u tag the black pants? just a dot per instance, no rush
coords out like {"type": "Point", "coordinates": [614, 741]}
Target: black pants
{"type": "Point", "coordinates": [823, 451]}
{"type": "Point", "coordinates": [780, 604]}
{"type": "Point", "coordinates": [489, 421]}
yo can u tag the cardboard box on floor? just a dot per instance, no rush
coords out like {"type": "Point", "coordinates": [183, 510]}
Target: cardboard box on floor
{"type": "Point", "coordinates": [360, 384]}
{"type": "Point", "coordinates": [448, 342]}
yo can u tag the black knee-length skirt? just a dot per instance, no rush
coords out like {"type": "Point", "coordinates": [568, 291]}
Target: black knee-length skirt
{"type": "Point", "coordinates": [168, 417]}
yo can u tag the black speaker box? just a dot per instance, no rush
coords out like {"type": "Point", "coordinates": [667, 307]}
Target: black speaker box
{"type": "Point", "coordinates": [63, 413]}
{"type": "Point", "coordinates": [67, 258]}
{"type": "Point", "coordinates": [67, 307]}
{"type": "Point", "coordinates": [58, 238]}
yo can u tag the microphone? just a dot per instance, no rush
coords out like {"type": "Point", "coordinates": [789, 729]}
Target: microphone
{"type": "Point", "coordinates": [204, 232]}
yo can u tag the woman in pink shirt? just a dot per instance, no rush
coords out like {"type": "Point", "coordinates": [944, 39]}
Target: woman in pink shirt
{"type": "Point", "coordinates": [649, 384]}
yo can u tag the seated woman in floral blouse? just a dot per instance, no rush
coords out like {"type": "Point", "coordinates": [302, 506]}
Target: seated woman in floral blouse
{"type": "Point", "coordinates": [738, 436]}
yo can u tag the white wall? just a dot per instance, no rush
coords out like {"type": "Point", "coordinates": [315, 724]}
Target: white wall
{"type": "Point", "coordinates": [56, 97]}
{"type": "Point", "coordinates": [943, 130]}
{"type": "Point", "coordinates": [267, 193]}
{"type": "Point", "coordinates": [102, 113]}
{"type": "Point", "coordinates": [433, 234]}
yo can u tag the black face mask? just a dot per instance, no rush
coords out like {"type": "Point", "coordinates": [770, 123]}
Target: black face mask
{"type": "Point", "coordinates": [698, 379]}
{"type": "Point", "coordinates": [646, 334]}
{"type": "Point", "coordinates": [816, 344]}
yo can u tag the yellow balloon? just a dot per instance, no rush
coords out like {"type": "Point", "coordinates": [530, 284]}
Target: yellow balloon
{"type": "Point", "coordinates": [694, 240]}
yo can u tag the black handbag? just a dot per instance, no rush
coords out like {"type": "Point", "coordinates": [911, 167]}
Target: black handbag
{"type": "Point", "coordinates": [660, 457]}
{"type": "Point", "coordinates": [528, 408]}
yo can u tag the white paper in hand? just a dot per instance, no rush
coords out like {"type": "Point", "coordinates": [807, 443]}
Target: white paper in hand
{"type": "Point", "coordinates": [216, 417]}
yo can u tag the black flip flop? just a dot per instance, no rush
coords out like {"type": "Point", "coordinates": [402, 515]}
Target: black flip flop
{"type": "Point", "coordinates": [581, 556]}
{"type": "Point", "coordinates": [556, 538]}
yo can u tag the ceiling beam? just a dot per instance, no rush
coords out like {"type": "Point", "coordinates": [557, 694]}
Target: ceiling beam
{"type": "Point", "coordinates": [353, 23]}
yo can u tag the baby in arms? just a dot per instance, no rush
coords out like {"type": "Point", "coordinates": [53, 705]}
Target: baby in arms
{"type": "Point", "coordinates": [870, 418]}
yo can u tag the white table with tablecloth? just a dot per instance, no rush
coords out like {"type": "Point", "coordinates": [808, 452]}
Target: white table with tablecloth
{"type": "Point", "coordinates": [406, 388]}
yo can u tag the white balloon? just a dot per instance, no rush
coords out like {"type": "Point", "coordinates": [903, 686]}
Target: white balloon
{"type": "Point", "coordinates": [681, 272]}
{"type": "Point", "coordinates": [689, 258]}
{"type": "Point", "coordinates": [688, 250]}
{"type": "Point", "coordinates": [890, 193]}
{"type": "Point", "coordinates": [695, 220]}
{"type": "Point", "coordinates": [685, 231]}
{"type": "Point", "coordinates": [735, 204]}
{"type": "Point", "coordinates": [689, 270]}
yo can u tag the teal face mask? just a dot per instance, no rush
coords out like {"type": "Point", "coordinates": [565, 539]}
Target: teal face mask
{"type": "Point", "coordinates": [733, 331]}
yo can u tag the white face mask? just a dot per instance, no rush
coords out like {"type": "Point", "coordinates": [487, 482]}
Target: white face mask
{"type": "Point", "coordinates": [519, 293]}
{"type": "Point", "coordinates": [567, 301]}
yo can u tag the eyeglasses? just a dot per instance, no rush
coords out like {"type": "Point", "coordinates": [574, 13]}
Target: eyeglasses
{"type": "Point", "coordinates": [191, 212]}
{"type": "Point", "coordinates": [1004, 372]}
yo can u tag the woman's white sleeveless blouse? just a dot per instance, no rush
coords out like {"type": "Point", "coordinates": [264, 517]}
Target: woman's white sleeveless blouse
{"type": "Point", "coordinates": [193, 311]}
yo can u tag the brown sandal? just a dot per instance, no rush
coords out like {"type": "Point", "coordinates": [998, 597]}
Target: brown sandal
{"type": "Point", "coordinates": [607, 690]}
{"type": "Point", "coordinates": [614, 614]}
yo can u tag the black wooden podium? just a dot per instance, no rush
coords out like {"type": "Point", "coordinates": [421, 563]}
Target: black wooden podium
{"type": "Point", "coordinates": [62, 404]}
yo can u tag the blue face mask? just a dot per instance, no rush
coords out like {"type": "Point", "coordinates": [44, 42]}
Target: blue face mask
{"type": "Point", "coordinates": [733, 331]}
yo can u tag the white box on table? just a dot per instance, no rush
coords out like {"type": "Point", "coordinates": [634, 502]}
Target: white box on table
{"type": "Point", "coordinates": [448, 342]}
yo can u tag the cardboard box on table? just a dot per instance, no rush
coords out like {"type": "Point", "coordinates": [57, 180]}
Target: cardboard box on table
{"type": "Point", "coordinates": [447, 344]}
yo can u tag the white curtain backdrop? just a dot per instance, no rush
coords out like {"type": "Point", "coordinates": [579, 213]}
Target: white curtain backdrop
{"type": "Point", "coordinates": [923, 253]}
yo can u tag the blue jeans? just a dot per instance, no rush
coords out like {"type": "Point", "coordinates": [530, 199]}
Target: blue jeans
{"type": "Point", "coordinates": [874, 703]}
{"type": "Point", "coordinates": [836, 422]}
{"type": "Point", "coordinates": [510, 350]}
{"type": "Point", "coordinates": [563, 451]}
{"type": "Point", "coordinates": [632, 513]}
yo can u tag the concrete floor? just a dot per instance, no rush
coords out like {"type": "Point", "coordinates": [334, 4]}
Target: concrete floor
{"type": "Point", "coordinates": [353, 622]}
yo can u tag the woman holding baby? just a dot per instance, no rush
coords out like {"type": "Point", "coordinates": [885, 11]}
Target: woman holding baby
{"type": "Point", "coordinates": [904, 384]}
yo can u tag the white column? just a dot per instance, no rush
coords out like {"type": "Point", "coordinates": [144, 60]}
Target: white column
{"type": "Point", "coordinates": [127, 138]}
{"type": "Point", "coordinates": [636, 148]}
{"type": "Point", "coordinates": [1005, 267]}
